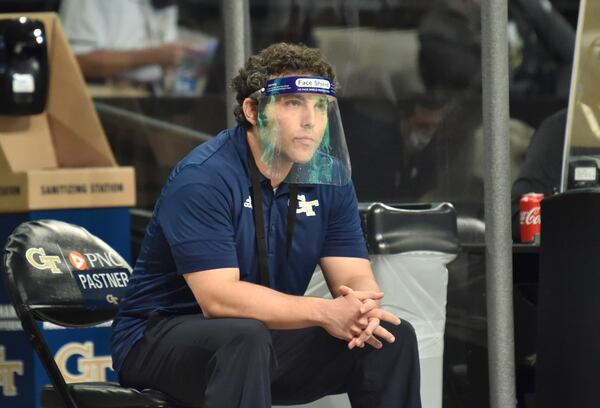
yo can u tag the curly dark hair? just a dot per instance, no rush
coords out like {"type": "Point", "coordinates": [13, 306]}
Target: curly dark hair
{"type": "Point", "coordinates": [277, 59]}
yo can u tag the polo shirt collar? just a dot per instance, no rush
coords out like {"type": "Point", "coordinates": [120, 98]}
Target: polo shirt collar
{"type": "Point", "coordinates": [239, 135]}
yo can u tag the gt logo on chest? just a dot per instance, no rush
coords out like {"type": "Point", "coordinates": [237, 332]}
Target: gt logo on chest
{"type": "Point", "coordinates": [306, 207]}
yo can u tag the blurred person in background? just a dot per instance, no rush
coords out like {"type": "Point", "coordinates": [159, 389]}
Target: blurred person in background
{"type": "Point", "coordinates": [418, 126]}
{"type": "Point", "coordinates": [541, 44]}
{"type": "Point", "coordinates": [541, 47]}
{"type": "Point", "coordinates": [131, 42]}
{"type": "Point", "coordinates": [541, 169]}
{"type": "Point", "coordinates": [394, 162]}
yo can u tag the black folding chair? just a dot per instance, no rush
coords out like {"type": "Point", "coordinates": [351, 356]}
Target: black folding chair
{"type": "Point", "coordinates": [43, 264]}
{"type": "Point", "coordinates": [411, 246]}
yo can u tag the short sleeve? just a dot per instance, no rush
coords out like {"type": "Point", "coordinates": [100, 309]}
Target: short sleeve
{"type": "Point", "coordinates": [344, 236]}
{"type": "Point", "coordinates": [86, 23]}
{"type": "Point", "coordinates": [197, 223]}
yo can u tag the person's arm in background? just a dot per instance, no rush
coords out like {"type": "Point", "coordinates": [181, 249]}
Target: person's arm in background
{"type": "Point", "coordinates": [107, 63]}
{"type": "Point", "coordinates": [90, 26]}
{"type": "Point", "coordinates": [541, 170]}
{"type": "Point", "coordinates": [551, 26]}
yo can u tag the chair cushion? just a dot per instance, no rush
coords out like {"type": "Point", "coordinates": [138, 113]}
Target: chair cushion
{"type": "Point", "coordinates": [417, 227]}
{"type": "Point", "coordinates": [106, 395]}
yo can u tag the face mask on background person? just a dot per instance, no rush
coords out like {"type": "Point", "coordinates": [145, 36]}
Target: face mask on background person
{"type": "Point", "coordinates": [418, 139]}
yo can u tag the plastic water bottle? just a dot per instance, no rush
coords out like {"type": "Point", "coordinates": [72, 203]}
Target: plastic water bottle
{"type": "Point", "coordinates": [186, 77]}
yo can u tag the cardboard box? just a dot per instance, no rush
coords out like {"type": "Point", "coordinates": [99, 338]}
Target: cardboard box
{"type": "Point", "coordinates": [60, 158]}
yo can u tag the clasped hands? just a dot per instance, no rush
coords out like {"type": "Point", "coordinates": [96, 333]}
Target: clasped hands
{"type": "Point", "coordinates": [359, 317]}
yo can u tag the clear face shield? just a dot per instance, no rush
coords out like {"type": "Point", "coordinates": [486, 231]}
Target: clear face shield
{"type": "Point", "coordinates": [300, 131]}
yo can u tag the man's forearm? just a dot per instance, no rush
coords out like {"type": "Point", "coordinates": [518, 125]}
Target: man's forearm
{"type": "Point", "coordinates": [354, 273]}
{"type": "Point", "coordinates": [277, 310]}
{"type": "Point", "coordinates": [363, 283]}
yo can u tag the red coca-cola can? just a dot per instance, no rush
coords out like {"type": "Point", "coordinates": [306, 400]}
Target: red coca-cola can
{"type": "Point", "coordinates": [530, 217]}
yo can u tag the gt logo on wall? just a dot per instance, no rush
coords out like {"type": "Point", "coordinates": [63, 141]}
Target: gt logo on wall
{"type": "Point", "coordinates": [8, 370]}
{"type": "Point", "coordinates": [38, 259]}
{"type": "Point", "coordinates": [89, 367]}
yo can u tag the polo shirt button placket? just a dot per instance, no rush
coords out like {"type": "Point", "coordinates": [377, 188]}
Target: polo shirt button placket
{"type": "Point", "coordinates": [271, 228]}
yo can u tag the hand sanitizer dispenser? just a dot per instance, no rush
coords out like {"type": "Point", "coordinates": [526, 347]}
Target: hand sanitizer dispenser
{"type": "Point", "coordinates": [23, 67]}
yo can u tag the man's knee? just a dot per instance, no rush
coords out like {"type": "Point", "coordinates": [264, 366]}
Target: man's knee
{"type": "Point", "coordinates": [251, 332]}
{"type": "Point", "coordinates": [405, 329]}
{"type": "Point", "coordinates": [404, 333]}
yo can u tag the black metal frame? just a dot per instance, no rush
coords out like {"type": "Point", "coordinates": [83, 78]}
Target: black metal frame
{"type": "Point", "coordinates": [29, 317]}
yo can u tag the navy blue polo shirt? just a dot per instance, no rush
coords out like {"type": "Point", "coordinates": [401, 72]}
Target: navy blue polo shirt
{"type": "Point", "coordinates": [203, 220]}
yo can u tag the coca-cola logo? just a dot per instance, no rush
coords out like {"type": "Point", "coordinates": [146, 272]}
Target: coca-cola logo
{"type": "Point", "coordinates": [531, 217]}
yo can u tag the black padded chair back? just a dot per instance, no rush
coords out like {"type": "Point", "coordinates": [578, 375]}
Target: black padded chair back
{"type": "Point", "coordinates": [405, 228]}
{"type": "Point", "coordinates": [61, 273]}
{"type": "Point", "coordinates": [64, 274]}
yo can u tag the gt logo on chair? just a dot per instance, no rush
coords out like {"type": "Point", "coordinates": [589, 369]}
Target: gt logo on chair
{"type": "Point", "coordinates": [38, 259]}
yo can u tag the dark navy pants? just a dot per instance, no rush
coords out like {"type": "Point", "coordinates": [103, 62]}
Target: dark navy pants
{"type": "Point", "coordinates": [229, 363]}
